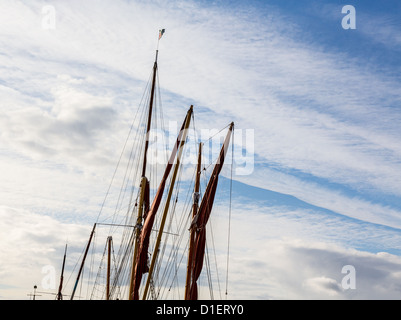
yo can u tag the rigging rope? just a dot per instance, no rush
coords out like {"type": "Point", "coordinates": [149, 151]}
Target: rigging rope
{"type": "Point", "coordinates": [122, 152]}
{"type": "Point", "coordinates": [229, 210]}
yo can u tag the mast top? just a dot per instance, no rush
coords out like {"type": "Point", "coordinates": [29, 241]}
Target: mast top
{"type": "Point", "coordinates": [161, 32]}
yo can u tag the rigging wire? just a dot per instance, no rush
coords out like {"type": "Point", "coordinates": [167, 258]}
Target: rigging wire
{"type": "Point", "coordinates": [208, 271]}
{"type": "Point", "coordinates": [122, 152]}
{"type": "Point", "coordinates": [229, 211]}
{"type": "Point", "coordinates": [130, 176]}
{"type": "Point", "coordinates": [215, 258]}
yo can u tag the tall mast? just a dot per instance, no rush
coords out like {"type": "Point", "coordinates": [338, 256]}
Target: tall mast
{"type": "Point", "coordinates": [109, 240]}
{"type": "Point", "coordinates": [194, 212]}
{"type": "Point", "coordinates": [163, 221]}
{"type": "Point", "coordinates": [144, 180]}
{"type": "Point", "coordinates": [152, 93]}
{"type": "Point", "coordinates": [59, 294]}
{"type": "Point", "coordinates": [83, 262]}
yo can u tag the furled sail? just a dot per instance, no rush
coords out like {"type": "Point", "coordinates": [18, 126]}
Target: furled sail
{"type": "Point", "coordinates": [200, 220]}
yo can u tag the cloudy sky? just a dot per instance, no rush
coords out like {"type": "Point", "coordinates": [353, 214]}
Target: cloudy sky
{"type": "Point", "coordinates": [316, 110]}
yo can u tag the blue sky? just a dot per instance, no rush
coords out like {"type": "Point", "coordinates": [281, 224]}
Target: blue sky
{"type": "Point", "coordinates": [321, 105]}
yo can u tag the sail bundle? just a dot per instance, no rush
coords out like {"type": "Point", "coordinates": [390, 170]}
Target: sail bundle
{"type": "Point", "coordinates": [200, 220]}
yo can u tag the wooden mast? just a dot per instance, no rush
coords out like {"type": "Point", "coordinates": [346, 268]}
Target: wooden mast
{"type": "Point", "coordinates": [162, 223]}
{"type": "Point", "coordinates": [109, 241]}
{"type": "Point", "coordinates": [59, 294]}
{"type": "Point", "coordinates": [144, 180]}
{"type": "Point", "coordinates": [83, 262]}
{"type": "Point", "coordinates": [191, 230]}
{"type": "Point", "coordinates": [152, 94]}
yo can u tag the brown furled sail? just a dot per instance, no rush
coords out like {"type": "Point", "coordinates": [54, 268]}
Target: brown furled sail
{"type": "Point", "coordinates": [202, 217]}
{"type": "Point", "coordinates": [195, 207]}
{"type": "Point", "coordinates": [141, 264]}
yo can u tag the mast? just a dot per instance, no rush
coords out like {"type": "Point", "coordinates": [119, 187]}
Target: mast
{"type": "Point", "coordinates": [59, 294]}
{"type": "Point", "coordinates": [201, 218]}
{"type": "Point", "coordinates": [163, 221]}
{"type": "Point", "coordinates": [83, 262]}
{"type": "Point", "coordinates": [144, 181]}
{"type": "Point", "coordinates": [152, 94]}
{"type": "Point", "coordinates": [194, 212]}
{"type": "Point", "coordinates": [109, 240]}
{"type": "Point", "coordinates": [144, 193]}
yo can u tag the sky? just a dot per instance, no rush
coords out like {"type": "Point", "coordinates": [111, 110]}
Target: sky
{"type": "Point", "coordinates": [316, 108]}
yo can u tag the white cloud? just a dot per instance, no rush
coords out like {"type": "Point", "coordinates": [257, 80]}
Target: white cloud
{"type": "Point", "coordinates": [277, 252]}
{"type": "Point", "coordinates": [321, 285]}
{"type": "Point", "coordinates": [295, 269]}
{"type": "Point", "coordinates": [30, 242]}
